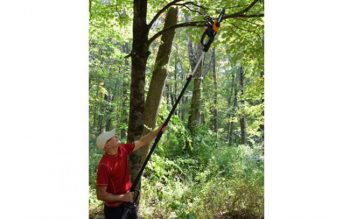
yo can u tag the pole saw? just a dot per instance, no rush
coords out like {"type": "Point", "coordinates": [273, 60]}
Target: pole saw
{"type": "Point", "coordinates": [212, 28]}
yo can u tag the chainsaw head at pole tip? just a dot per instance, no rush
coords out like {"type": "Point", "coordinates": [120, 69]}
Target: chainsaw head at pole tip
{"type": "Point", "coordinates": [212, 27]}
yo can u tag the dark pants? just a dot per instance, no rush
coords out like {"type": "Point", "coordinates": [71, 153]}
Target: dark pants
{"type": "Point", "coordinates": [117, 212]}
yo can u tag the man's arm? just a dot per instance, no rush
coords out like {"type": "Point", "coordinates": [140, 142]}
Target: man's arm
{"type": "Point", "coordinates": [147, 139]}
{"type": "Point", "coordinates": [103, 195]}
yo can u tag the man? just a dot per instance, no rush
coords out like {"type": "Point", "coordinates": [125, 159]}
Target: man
{"type": "Point", "coordinates": [113, 179]}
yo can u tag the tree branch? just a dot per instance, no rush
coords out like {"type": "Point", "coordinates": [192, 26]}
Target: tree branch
{"type": "Point", "coordinates": [247, 8]}
{"type": "Point", "coordinates": [243, 16]}
{"type": "Point", "coordinates": [188, 8]}
{"type": "Point", "coordinates": [240, 14]}
{"type": "Point", "coordinates": [246, 30]}
{"type": "Point", "coordinates": [250, 43]}
{"type": "Point", "coordinates": [185, 24]}
{"type": "Point", "coordinates": [192, 3]}
{"type": "Point", "coordinates": [248, 21]}
{"type": "Point", "coordinates": [161, 11]}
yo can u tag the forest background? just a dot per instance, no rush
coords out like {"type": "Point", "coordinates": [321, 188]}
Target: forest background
{"type": "Point", "coordinates": [44, 113]}
{"type": "Point", "coordinates": [210, 162]}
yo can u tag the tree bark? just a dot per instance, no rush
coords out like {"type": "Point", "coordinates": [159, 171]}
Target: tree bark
{"type": "Point", "coordinates": [110, 108]}
{"type": "Point", "coordinates": [139, 56]}
{"type": "Point", "coordinates": [242, 121]}
{"type": "Point", "coordinates": [110, 98]}
{"type": "Point", "coordinates": [96, 104]}
{"type": "Point", "coordinates": [215, 108]}
{"type": "Point", "coordinates": [194, 118]}
{"type": "Point", "coordinates": [138, 67]}
{"type": "Point", "coordinates": [124, 110]}
{"type": "Point", "coordinates": [159, 75]}
{"type": "Point", "coordinates": [232, 103]}
{"type": "Point", "coordinates": [175, 84]}
{"type": "Point", "coordinates": [141, 113]}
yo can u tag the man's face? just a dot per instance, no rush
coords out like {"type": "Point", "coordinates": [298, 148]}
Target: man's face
{"type": "Point", "coordinates": [112, 143]}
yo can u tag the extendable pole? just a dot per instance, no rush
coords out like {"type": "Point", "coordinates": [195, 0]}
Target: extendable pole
{"type": "Point", "coordinates": [160, 133]}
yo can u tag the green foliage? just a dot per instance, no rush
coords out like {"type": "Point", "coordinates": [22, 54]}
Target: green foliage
{"type": "Point", "coordinates": [228, 184]}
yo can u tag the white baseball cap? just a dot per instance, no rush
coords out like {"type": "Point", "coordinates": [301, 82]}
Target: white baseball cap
{"type": "Point", "coordinates": [103, 138]}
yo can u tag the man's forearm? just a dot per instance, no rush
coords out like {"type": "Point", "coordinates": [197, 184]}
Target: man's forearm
{"type": "Point", "coordinates": [109, 197]}
{"type": "Point", "coordinates": [146, 139]}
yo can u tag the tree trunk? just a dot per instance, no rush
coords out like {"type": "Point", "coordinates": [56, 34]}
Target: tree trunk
{"type": "Point", "coordinates": [139, 55]}
{"type": "Point", "coordinates": [179, 80]}
{"type": "Point", "coordinates": [96, 104]}
{"type": "Point", "coordinates": [123, 107]}
{"type": "Point", "coordinates": [100, 123]}
{"type": "Point", "coordinates": [184, 100]}
{"type": "Point", "coordinates": [215, 108]}
{"type": "Point", "coordinates": [159, 75]}
{"type": "Point", "coordinates": [242, 119]}
{"type": "Point", "coordinates": [140, 112]}
{"type": "Point", "coordinates": [232, 103]}
{"type": "Point", "coordinates": [262, 127]}
{"type": "Point", "coordinates": [194, 118]}
{"type": "Point", "coordinates": [175, 84]}
{"type": "Point", "coordinates": [110, 99]}
{"type": "Point", "coordinates": [168, 94]}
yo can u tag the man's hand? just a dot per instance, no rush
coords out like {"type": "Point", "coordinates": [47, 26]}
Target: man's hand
{"type": "Point", "coordinates": [128, 197]}
{"type": "Point", "coordinates": [103, 195]}
{"type": "Point", "coordinates": [147, 139]}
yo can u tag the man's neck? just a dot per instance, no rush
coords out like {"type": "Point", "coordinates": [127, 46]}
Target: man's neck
{"type": "Point", "coordinates": [112, 152]}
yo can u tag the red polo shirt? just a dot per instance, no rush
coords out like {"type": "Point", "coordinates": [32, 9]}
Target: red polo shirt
{"type": "Point", "coordinates": [113, 172]}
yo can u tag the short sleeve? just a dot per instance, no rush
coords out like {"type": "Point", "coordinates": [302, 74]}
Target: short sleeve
{"type": "Point", "coordinates": [129, 147]}
{"type": "Point", "coordinates": [102, 176]}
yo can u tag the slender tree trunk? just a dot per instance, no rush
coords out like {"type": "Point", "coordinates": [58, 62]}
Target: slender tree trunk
{"type": "Point", "coordinates": [194, 118]}
{"type": "Point", "coordinates": [172, 97]}
{"type": "Point", "coordinates": [184, 100]}
{"type": "Point", "coordinates": [96, 104]}
{"type": "Point", "coordinates": [180, 75]}
{"type": "Point", "coordinates": [175, 83]}
{"type": "Point", "coordinates": [242, 121]}
{"type": "Point", "coordinates": [110, 109]}
{"type": "Point", "coordinates": [168, 94]}
{"type": "Point", "coordinates": [262, 127]}
{"type": "Point", "coordinates": [100, 122]}
{"type": "Point", "coordinates": [159, 75]}
{"type": "Point", "coordinates": [215, 108]}
{"type": "Point", "coordinates": [124, 92]}
{"type": "Point", "coordinates": [232, 103]}
{"type": "Point", "coordinates": [140, 112]}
